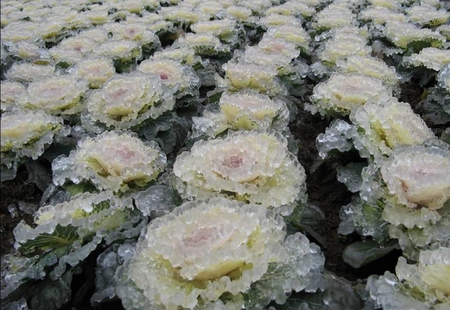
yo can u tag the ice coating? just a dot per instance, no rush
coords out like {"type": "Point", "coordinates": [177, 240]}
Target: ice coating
{"type": "Point", "coordinates": [380, 15]}
{"type": "Point", "coordinates": [343, 93]}
{"type": "Point", "coordinates": [27, 134]}
{"type": "Point", "coordinates": [292, 34]}
{"type": "Point", "coordinates": [135, 31]}
{"type": "Point", "coordinates": [181, 78]}
{"type": "Point", "coordinates": [56, 95]}
{"type": "Point", "coordinates": [257, 77]}
{"type": "Point", "coordinates": [95, 70]}
{"type": "Point", "coordinates": [403, 33]}
{"type": "Point", "coordinates": [10, 92]}
{"type": "Point", "coordinates": [430, 57]}
{"type": "Point", "coordinates": [419, 176]}
{"type": "Point", "coordinates": [127, 100]}
{"type": "Point", "coordinates": [252, 166]}
{"type": "Point", "coordinates": [338, 136]}
{"type": "Point", "coordinates": [170, 269]}
{"type": "Point", "coordinates": [427, 15]}
{"type": "Point", "coordinates": [244, 110]}
{"type": "Point", "coordinates": [369, 66]}
{"type": "Point", "coordinates": [112, 161]}
{"type": "Point", "coordinates": [28, 72]}
{"type": "Point", "coordinates": [334, 16]}
{"type": "Point", "coordinates": [416, 286]}
{"type": "Point", "coordinates": [124, 50]}
{"type": "Point", "coordinates": [389, 124]}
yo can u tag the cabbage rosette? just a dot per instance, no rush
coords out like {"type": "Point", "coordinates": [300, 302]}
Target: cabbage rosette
{"type": "Point", "coordinates": [247, 254]}
{"type": "Point", "coordinates": [251, 166]}
{"type": "Point", "coordinates": [343, 93]}
{"type": "Point", "coordinates": [27, 134]}
{"type": "Point", "coordinates": [127, 100]}
{"type": "Point", "coordinates": [111, 161]}
{"type": "Point", "coordinates": [71, 230]}
{"type": "Point", "coordinates": [383, 126]}
{"type": "Point", "coordinates": [244, 110]}
{"type": "Point", "coordinates": [418, 286]}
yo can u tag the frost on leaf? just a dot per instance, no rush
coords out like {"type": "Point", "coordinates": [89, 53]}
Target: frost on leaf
{"type": "Point", "coordinates": [248, 255]}
{"type": "Point", "coordinates": [343, 93]}
{"type": "Point", "coordinates": [252, 166]}
{"type": "Point", "coordinates": [244, 110]}
{"type": "Point", "coordinates": [127, 100]}
{"type": "Point", "coordinates": [385, 125]}
{"type": "Point", "coordinates": [111, 161]}
{"type": "Point", "coordinates": [27, 134]}
{"type": "Point", "coordinates": [415, 286]}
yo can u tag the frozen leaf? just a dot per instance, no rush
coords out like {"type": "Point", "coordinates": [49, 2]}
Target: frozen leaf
{"type": "Point", "coordinates": [361, 253]}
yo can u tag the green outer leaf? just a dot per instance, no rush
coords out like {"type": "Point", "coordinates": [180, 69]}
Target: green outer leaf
{"type": "Point", "coordinates": [361, 253]}
{"type": "Point", "coordinates": [62, 236]}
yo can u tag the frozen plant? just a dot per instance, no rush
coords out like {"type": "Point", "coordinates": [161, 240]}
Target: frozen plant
{"type": "Point", "coordinates": [111, 161]}
{"type": "Point", "coordinates": [427, 15]}
{"type": "Point", "coordinates": [430, 57]}
{"type": "Point", "coordinates": [56, 95]}
{"type": "Point", "coordinates": [252, 166]}
{"type": "Point", "coordinates": [10, 92]}
{"type": "Point", "coordinates": [182, 79]}
{"type": "Point", "coordinates": [406, 35]}
{"type": "Point", "coordinates": [218, 254]}
{"type": "Point", "coordinates": [71, 230]}
{"type": "Point", "coordinates": [419, 176]}
{"type": "Point", "coordinates": [27, 134]}
{"type": "Point", "coordinates": [244, 110]}
{"type": "Point", "coordinates": [94, 70]}
{"type": "Point", "coordinates": [28, 72]}
{"type": "Point", "coordinates": [369, 66]}
{"type": "Point", "coordinates": [418, 286]}
{"type": "Point", "coordinates": [343, 93]}
{"type": "Point", "coordinates": [204, 44]}
{"type": "Point", "coordinates": [385, 125]}
{"type": "Point", "coordinates": [257, 77]}
{"type": "Point", "coordinates": [127, 100]}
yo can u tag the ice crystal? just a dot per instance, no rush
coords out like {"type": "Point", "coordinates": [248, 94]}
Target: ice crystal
{"type": "Point", "coordinates": [415, 286]}
{"type": "Point", "coordinates": [252, 166]}
{"type": "Point", "coordinates": [112, 161]}
{"type": "Point", "coordinates": [419, 176]}
{"type": "Point", "coordinates": [257, 77]}
{"type": "Point", "coordinates": [95, 70]}
{"type": "Point", "coordinates": [56, 95]}
{"type": "Point", "coordinates": [247, 254]}
{"type": "Point", "coordinates": [343, 93]}
{"type": "Point", "coordinates": [431, 58]}
{"type": "Point", "coordinates": [27, 134]}
{"type": "Point", "coordinates": [387, 125]}
{"type": "Point", "coordinates": [127, 100]}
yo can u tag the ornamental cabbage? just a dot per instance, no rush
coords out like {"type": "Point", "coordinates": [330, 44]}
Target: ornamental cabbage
{"type": "Point", "coordinates": [27, 134]}
{"type": "Point", "coordinates": [419, 176]}
{"type": "Point", "coordinates": [387, 125]}
{"type": "Point", "coordinates": [418, 286]}
{"type": "Point", "coordinates": [343, 93]}
{"type": "Point", "coordinates": [251, 166]}
{"type": "Point", "coordinates": [112, 161]}
{"type": "Point", "coordinates": [247, 255]}
{"type": "Point", "coordinates": [244, 110]}
{"type": "Point", "coordinates": [127, 100]}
